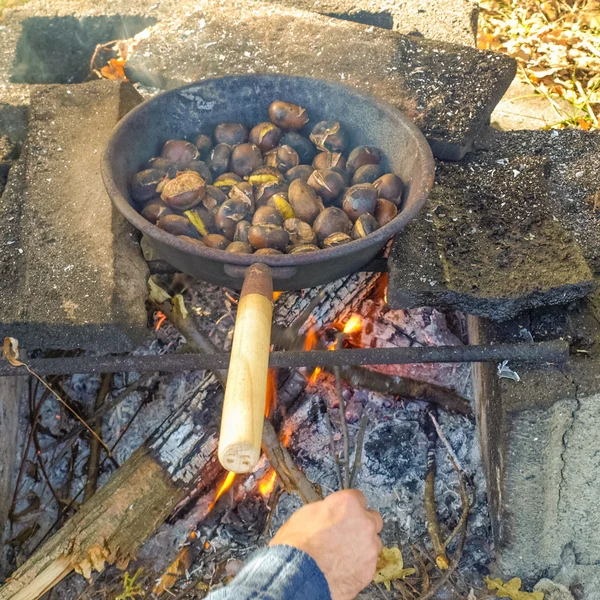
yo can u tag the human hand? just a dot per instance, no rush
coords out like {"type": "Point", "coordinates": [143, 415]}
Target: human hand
{"type": "Point", "coordinates": [341, 535]}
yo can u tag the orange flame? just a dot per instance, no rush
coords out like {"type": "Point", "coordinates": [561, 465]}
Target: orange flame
{"type": "Point", "coordinates": [271, 401]}
{"type": "Point", "coordinates": [310, 341]}
{"type": "Point", "coordinates": [224, 487]}
{"type": "Point", "coordinates": [160, 319]}
{"type": "Point", "coordinates": [353, 324]}
{"type": "Point", "coordinates": [314, 376]}
{"type": "Point", "coordinates": [286, 435]}
{"type": "Point", "coordinates": [276, 295]}
{"type": "Point", "coordinates": [267, 483]}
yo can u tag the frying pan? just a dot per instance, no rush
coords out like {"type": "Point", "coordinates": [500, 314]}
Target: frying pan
{"type": "Point", "coordinates": [184, 113]}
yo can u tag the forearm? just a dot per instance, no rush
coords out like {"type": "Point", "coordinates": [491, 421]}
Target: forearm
{"type": "Point", "coordinates": [277, 573]}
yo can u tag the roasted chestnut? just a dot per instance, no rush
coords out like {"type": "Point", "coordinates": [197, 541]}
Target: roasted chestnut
{"type": "Point", "coordinates": [359, 200]}
{"type": "Point", "coordinates": [363, 155]}
{"type": "Point", "coordinates": [185, 191]}
{"type": "Point", "coordinates": [304, 201]}
{"type": "Point", "coordinates": [300, 232]}
{"type": "Point", "coordinates": [265, 175]}
{"type": "Point", "coordinates": [154, 210]}
{"type": "Point", "coordinates": [389, 187]}
{"type": "Point", "coordinates": [244, 192]}
{"type": "Point", "coordinates": [241, 231]}
{"type": "Point", "coordinates": [329, 135]}
{"type": "Point", "coordinates": [214, 197]}
{"type": "Point", "coordinates": [229, 214]}
{"type": "Point", "coordinates": [265, 136]}
{"type": "Point", "coordinates": [239, 248]}
{"type": "Point", "coordinates": [177, 225]}
{"type": "Point", "coordinates": [336, 239]}
{"type": "Point", "coordinates": [231, 133]}
{"type": "Point", "coordinates": [216, 241]}
{"type": "Point", "coordinates": [226, 181]}
{"type": "Point", "coordinates": [367, 174]}
{"type": "Point", "coordinates": [204, 145]}
{"type": "Point", "coordinates": [302, 248]}
{"type": "Point", "coordinates": [143, 185]}
{"type": "Point", "coordinates": [280, 203]}
{"type": "Point", "coordinates": [245, 158]}
{"type": "Point", "coordinates": [287, 116]}
{"type": "Point", "coordinates": [364, 226]}
{"type": "Point", "coordinates": [166, 167]}
{"type": "Point", "coordinates": [328, 160]}
{"type": "Point", "coordinates": [385, 211]}
{"type": "Point", "coordinates": [266, 190]}
{"type": "Point", "coordinates": [345, 175]}
{"type": "Point", "coordinates": [219, 159]}
{"type": "Point", "coordinates": [328, 184]}
{"type": "Point", "coordinates": [331, 220]}
{"type": "Point", "coordinates": [282, 158]}
{"type": "Point", "coordinates": [202, 220]}
{"type": "Point", "coordinates": [179, 152]}
{"type": "Point", "coordinates": [190, 240]}
{"type": "Point", "coordinates": [268, 236]}
{"type": "Point", "coordinates": [267, 252]}
{"type": "Point", "coordinates": [267, 215]}
{"type": "Point", "coordinates": [299, 172]}
{"type": "Point", "coordinates": [202, 169]}
{"type": "Point", "coordinates": [303, 146]}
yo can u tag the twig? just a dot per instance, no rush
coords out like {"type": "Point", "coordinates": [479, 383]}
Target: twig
{"type": "Point", "coordinates": [94, 457]}
{"type": "Point", "coordinates": [334, 452]}
{"type": "Point", "coordinates": [423, 568]}
{"type": "Point", "coordinates": [445, 441]}
{"type": "Point", "coordinates": [360, 440]}
{"type": "Point", "coordinates": [129, 423]}
{"type": "Point", "coordinates": [344, 426]}
{"type": "Point", "coordinates": [433, 525]}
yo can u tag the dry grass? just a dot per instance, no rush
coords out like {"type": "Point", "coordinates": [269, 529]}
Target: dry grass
{"type": "Point", "coordinates": [4, 4]}
{"type": "Point", "coordinates": [557, 47]}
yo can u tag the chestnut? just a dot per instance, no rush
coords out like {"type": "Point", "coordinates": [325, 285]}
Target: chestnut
{"type": "Point", "coordinates": [185, 191]}
{"type": "Point", "coordinates": [230, 133]}
{"type": "Point", "coordinates": [265, 175]}
{"type": "Point", "coordinates": [214, 197]}
{"type": "Point", "coordinates": [302, 145]}
{"type": "Point", "coordinates": [243, 192]}
{"type": "Point", "coordinates": [345, 175]}
{"type": "Point", "coordinates": [300, 232]}
{"type": "Point", "coordinates": [202, 169]}
{"type": "Point", "coordinates": [280, 203]}
{"type": "Point", "coordinates": [241, 231]}
{"type": "Point", "coordinates": [216, 241]}
{"type": "Point", "coordinates": [331, 220]}
{"type": "Point", "coordinates": [267, 252]}
{"type": "Point", "coordinates": [302, 248]}
{"type": "Point", "coordinates": [304, 201]}
{"type": "Point", "coordinates": [299, 172]}
{"type": "Point", "coordinates": [239, 248]}
{"type": "Point", "coordinates": [190, 240]}
{"type": "Point", "coordinates": [389, 187]}
{"type": "Point", "coordinates": [267, 215]}
{"type": "Point", "coordinates": [329, 135]}
{"type": "Point", "coordinates": [229, 214]}
{"type": "Point", "coordinates": [268, 236]}
{"type": "Point", "coordinates": [204, 145]}
{"type": "Point", "coordinates": [154, 210]}
{"type": "Point", "coordinates": [328, 160]}
{"type": "Point", "coordinates": [328, 184]}
{"type": "Point", "coordinates": [202, 220]}
{"type": "Point", "coordinates": [179, 152]}
{"type": "Point", "coordinates": [287, 116]}
{"type": "Point", "coordinates": [177, 225]}
{"type": "Point", "coordinates": [266, 190]}
{"type": "Point", "coordinates": [359, 200]}
{"type": "Point", "coordinates": [336, 239]}
{"type": "Point", "coordinates": [385, 211]}
{"type": "Point", "coordinates": [143, 185]}
{"type": "Point", "coordinates": [265, 136]}
{"type": "Point", "coordinates": [282, 158]}
{"type": "Point", "coordinates": [226, 181]}
{"type": "Point", "coordinates": [363, 155]}
{"type": "Point", "coordinates": [245, 158]}
{"type": "Point", "coordinates": [166, 167]}
{"type": "Point", "coordinates": [364, 226]}
{"type": "Point", "coordinates": [219, 159]}
{"type": "Point", "coordinates": [367, 174]}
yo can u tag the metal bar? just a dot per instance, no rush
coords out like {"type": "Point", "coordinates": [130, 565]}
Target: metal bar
{"type": "Point", "coordinates": [543, 352]}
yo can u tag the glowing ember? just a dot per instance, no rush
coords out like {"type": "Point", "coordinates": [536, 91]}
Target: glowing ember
{"type": "Point", "coordinates": [271, 401]}
{"type": "Point", "coordinates": [353, 325]}
{"type": "Point", "coordinates": [286, 435]}
{"type": "Point", "coordinates": [160, 319]}
{"type": "Point", "coordinates": [276, 295]}
{"type": "Point", "coordinates": [314, 376]}
{"type": "Point", "coordinates": [224, 487]}
{"type": "Point", "coordinates": [267, 483]}
{"type": "Point", "coordinates": [310, 341]}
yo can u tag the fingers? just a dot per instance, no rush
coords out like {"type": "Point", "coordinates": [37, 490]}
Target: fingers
{"type": "Point", "coordinates": [377, 520]}
{"type": "Point", "coordinates": [349, 495]}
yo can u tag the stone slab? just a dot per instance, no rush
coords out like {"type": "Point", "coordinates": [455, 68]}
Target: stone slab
{"type": "Point", "coordinates": [541, 450]}
{"type": "Point", "coordinates": [492, 241]}
{"type": "Point", "coordinates": [71, 271]}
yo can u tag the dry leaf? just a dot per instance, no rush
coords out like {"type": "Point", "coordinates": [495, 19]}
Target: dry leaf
{"type": "Point", "coordinates": [114, 70]}
{"type": "Point", "coordinates": [390, 566]}
{"type": "Point", "coordinates": [511, 589]}
{"type": "Point", "coordinates": [11, 351]}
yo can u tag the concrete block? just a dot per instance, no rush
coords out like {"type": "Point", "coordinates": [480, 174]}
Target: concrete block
{"type": "Point", "coordinates": [71, 271]}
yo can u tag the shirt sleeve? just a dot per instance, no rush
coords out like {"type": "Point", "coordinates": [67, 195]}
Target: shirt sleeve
{"type": "Point", "coordinates": [277, 573]}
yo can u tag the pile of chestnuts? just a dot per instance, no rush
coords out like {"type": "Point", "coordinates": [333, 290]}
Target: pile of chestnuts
{"type": "Point", "coordinates": [268, 189]}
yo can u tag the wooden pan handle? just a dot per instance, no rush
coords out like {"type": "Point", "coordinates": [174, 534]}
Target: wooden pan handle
{"type": "Point", "coordinates": [246, 391]}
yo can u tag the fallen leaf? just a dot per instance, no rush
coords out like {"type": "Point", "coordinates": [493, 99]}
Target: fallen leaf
{"type": "Point", "coordinates": [390, 566]}
{"type": "Point", "coordinates": [114, 70]}
{"type": "Point", "coordinates": [511, 589]}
